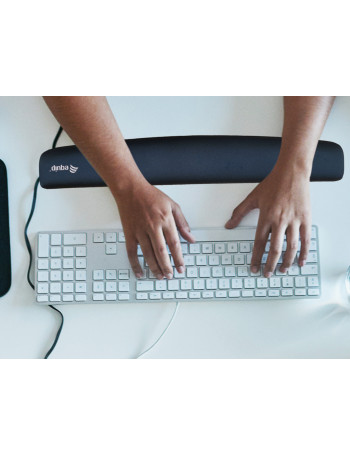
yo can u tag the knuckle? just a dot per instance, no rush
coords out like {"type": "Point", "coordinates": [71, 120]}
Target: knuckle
{"type": "Point", "coordinates": [174, 243]}
{"type": "Point", "coordinates": [161, 249]}
{"type": "Point", "coordinates": [275, 250]}
{"type": "Point", "coordinates": [293, 245]}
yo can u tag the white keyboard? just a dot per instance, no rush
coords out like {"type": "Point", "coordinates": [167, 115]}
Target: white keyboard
{"type": "Point", "coordinates": [93, 267]}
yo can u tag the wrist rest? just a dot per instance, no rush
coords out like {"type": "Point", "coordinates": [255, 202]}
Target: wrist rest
{"type": "Point", "coordinates": [5, 250]}
{"type": "Point", "coordinates": [189, 160]}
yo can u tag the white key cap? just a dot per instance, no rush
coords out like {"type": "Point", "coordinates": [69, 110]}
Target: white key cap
{"type": "Point", "coordinates": [220, 294]}
{"type": "Point", "coordinates": [217, 272]}
{"type": "Point", "coordinates": [198, 284]}
{"type": "Point", "coordinates": [67, 275]}
{"type": "Point", "coordinates": [287, 282]}
{"type": "Point", "coordinates": [55, 263]}
{"type": "Point", "coordinates": [161, 285]}
{"type": "Point", "coordinates": [173, 285]}
{"type": "Point", "coordinates": [224, 283]}
{"type": "Point", "coordinates": [313, 232]}
{"type": "Point", "coordinates": [249, 258]}
{"type": "Point", "coordinates": [68, 298]}
{"type": "Point", "coordinates": [312, 257]}
{"type": "Point", "coordinates": [55, 288]}
{"type": "Point", "coordinates": [98, 274]}
{"type": "Point", "coordinates": [123, 275]}
{"type": "Point", "coordinates": [275, 282]}
{"type": "Point", "coordinates": [236, 283]}
{"type": "Point", "coordinates": [111, 248]}
{"type": "Point", "coordinates": [263, 283]}
{"type": "Point", "coordinates": [194, 295]}
{"type": "Point", "coordinates": [300, 282]}
{"type": "Point", "coordinates": [80, 251]}
{"type": "Point", "coordinates": [309, 269]}
{"type": "Point", "coordinates": [98, 237]}
{"type": "Point", "coordinates": [67, 287]}
{"type": "Point", "coordinates": [68, 251]}
{"type": "Point", "coordinates": [219, 248]}
{"type": "Point", "coordinates": [43, 276]}
{"type": "Point", "coordinates": [177, 274]}
{"type": "Point", "coordinates": [80, 263]}
{"type": "Point", "coordinates": [313, 291]}
{"type": "Point", "coordinates": [55, 298]}
{"type": "Point", "coordinates": [111, 237]}
{"type": "Point", "coordinates": [42, 288]}
{"type": "Point", "coordinates": [300, 291]}
{"type": "Point", "coordinates": [247, 293]}
{"type": "Point", "coordinates": [244, 247]}
{"type": "Point", "coordinates": [242, 271]}
{"type": "Point", "coordinates": [287, 292]}
{"type": "Point", "coordinates": [111, 286]}
{"type": "Point", "coordinates": [201, 259]}
{"type": "Point", "coordinates": [313, 281]}
{"type": "Point", "coordinates": [211, 283]}
{"type": "Point", "coordinates": [80, 275]}
{"type": "Point", "coordinates": [124, 286]}
{"type": "Point", "coordinates": [184, 248]}
{"type": "Point", "coordinates": [249, 283]}
{"type": "Point", "coordinates": [274, 293]}
{"type": "Point", "coordinates": [226, 259]}
{"type": "Point", "coordinates": [181, 295]}
{"type": "Point", "coordinates": [313, 245]}
{"type": "Point", "coordinates": [234, 294]}
{"type": "Point", "coordinates": [80, 298]}
{"type": "Point", "coordinates": [260, 293]}
{"type": "Point", "coordinates": [207, 294]}
{"type": "Point", "coordinates": [207, 248]}
{"type": "Point", "coordinates": [55, 251]}
{"type": "Point", "coordinates": [141, 296]}
{"type": "Point", "coordinates": [74, 239]}
{"type": "Point", "coordinates": [293, 270]}
{"type": "Point", "coordinates": [168, 295]}
{"type": "Point", "coordinates": [98, 286]}
{"type": "Point", "coordinates": [232, 247]}
{"type": "Point", "coordinates": [229, 271]}
{"type": "Point", "coordinates": [144, 286]}
{"type": "Point", "coordinates": [123, 296]}
{"type": "Point", "coordinates": [154, 295]}
{"type": "Point", "coordinates": [238, 259]}
{"type": "Point", "coordinates": [186, 285]}
{"type": "Point", "coordinates": [204, 272]}
{"type": "Point", "coordinates": [214, 260]}
{"type": "Point", "coordinates": [195, 248]}
{"type": "Point", "coordinates": [191, 272]}
{"type": "Point", "coordinates": [42, 298]}
{"type": "Point", "coordinates": [43, 264]}
{"type": "Point", "coordinates": [188, 260]}
{"type": "Point", "coordinates": [80, 287]}
{"type": "Point", "coordinates": [56, 239]}
{"type": "Point", "coordinates": [43, 245]}
{"type": "Point", "coordinates": [97, 297]}
{"type": "Point", "coordinates": [55, 275]}
{"type": "Point", "coordinates": [121, 237]}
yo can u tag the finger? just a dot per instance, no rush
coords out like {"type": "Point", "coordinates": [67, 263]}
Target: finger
{"type": "Point", "coordinates": [182, 224]}
{"type": "Point", "coordinates": [150, 258]}
{"type": "Point", "coordinates": [240, 212]}
{"type": "Point", "coordinates": [261, 236]}
{"type": "Point", "coordinates": [305, 235]}
{"type": "Point", "coordinates": [131, 248]}
{"type": "Point", "coordinates": [292, 247]}
{"type": "Point", "coordinates": [173, 241]}
{"type": "Point", "coordinates": [276, 242]}
{"type": "Point", "coordinates": [161, 252]}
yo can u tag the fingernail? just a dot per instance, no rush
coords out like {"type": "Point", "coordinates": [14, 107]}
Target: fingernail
{"type": "Point", "coordinates": [169, 276]}
{"type": "Point", "coordinates": [181, 269]}
{"type": "Point", "coordinates": [139, 275]}
{"type": "Point", "coordinates": [283, 269]}
{"type": "Point", "coordinates": [254, 269]}
{"type": "Point", "coordinates": [302, 263]}
{"type": "Point", "coordinates": [159, 276]}
{"type": "Point", "coordinates": [268, 274]}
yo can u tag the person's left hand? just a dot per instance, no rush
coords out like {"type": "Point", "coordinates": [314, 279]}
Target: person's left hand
{"type": "Point", "coordinates": [284, 202]}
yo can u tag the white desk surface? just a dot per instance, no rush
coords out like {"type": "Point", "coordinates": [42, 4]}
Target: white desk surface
{"type": "Point", "coordinates": [295, 329]}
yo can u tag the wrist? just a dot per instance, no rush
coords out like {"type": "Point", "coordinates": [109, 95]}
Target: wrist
{"type": "Point", "coordinates": [296, 167]}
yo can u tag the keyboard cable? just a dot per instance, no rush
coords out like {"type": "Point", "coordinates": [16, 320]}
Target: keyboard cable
{"type": "Point", "coordinates": [29, 248]}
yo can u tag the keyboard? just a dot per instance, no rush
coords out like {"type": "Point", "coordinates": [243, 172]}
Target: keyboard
{"type": "Point", "coordinates": [93, 267]}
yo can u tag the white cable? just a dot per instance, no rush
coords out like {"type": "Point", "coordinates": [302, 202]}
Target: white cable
{"type": "Point", "coordinates": [161, 335]}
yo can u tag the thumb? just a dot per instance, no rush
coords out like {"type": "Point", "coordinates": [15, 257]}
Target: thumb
{"type": "Point", "coordinates": [240, 212]}
{"type": "Point", "coordinates": [182, 224]}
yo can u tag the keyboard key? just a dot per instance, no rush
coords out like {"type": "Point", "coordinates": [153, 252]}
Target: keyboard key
{"type": "Point", "coordinates": [111, 286]}
{"type": "Point", "coordinates": [214, 260]}
{"type": "Point", "coordinates": [55, 298]}
{"type": "Point", "coordinates": [141, 295]}
{"type": "Point", "coordinates": [309, 269]}
{"type": "Point", "coordinates": [67, 275]}
{"type": "Point", "coordinates": [234, 294]}
{"type": "Point", "coordinates": [220, 294]}
{"type": "Point", "coordinates": [275, 282]}
{"type": "Point", "coordinates": [260, 293]}
{"type": "Point", "coordinates": [123, 286]}
{"type": "Point", "coordinates": [80, 275]}
{"type": "Point", "coordinates": [287, 282]}
{"type": "Point", "coordinates": [98, 286]}
{"type": "Point", "coordinates": [219, 248]}
{"type": "Point", "coordinates": [111, 248]}
{"type": "Point", "coordinates": [43, 264]}
{"type": "Point", "coordinates": [55, 288]}
{"type": "Point", "coordinates": [181, 295]}
{"type": "Point", "coordinates": [185, 285]}
{"type": "Point", "coordinates": [121, 237]}
{"type": "Point", "coordinates": [80, 298]}
{"type": "Point", "coordinates": [211, 283]}
{"type": "Point", "coordinates": [236, 283]}
{"type": "Point", "coordinates": [249, 283]}
{"type": "Point", "coordinates": [67, 298]}
{"type": "Point", "coordinates": [273, 293]}
{"type": "Point", "coordinates": [242, 271]}
{"type": "Point", "coordinates": [207, 294]}
{"type": "Point", "coordinates": [224, 283]}
{"type": "Point", "coordinates": [55, 263]}
{"type": "Point", "coordinates": [299, 291]}
{"type": "Point", "coordinates": [111, 237]}
{"type": "Point", "coordinates": [312, 257]}
{"type": "Point", "coordinates": [217, 272]}
{"type": "Point", "coordinates": [294, 270]}
{"type": "Point", "coordinates": [204, 272]}
{"type": "Point", "coordinates": [56, 239]}
{"type": "Point", "coordinates": [198, 284]}
{"type": "Point", "coordinates": [247, 293]}
{"type": "Point", "coordinates": [201, 259]}
{"type": "Point", "coordinates": [191, 272]}
{"type": "Point", "coordinates": [80, 251]}
{"type": "Point", "coordinates": [154, 295]}
{"type": "Point", "coordinates": [226, 259]}
{"type": "Point", "coordinates": [188, 260]}
{"type": "Point", "coordinates": [229, 271]}
{"type": "Point", "coordinates": [238, 259]}
{"type": "Point", "coordinates": [67, 287]}
{"type": "Point", "coordinates": [122, 296]}
{"type": "Point", "coordinates": [194, 295]}
{"type": "Point", "coordinates": [287, 292]}
{"type": "Point", "coordinates": [98, 274]}
{"type": "Point", "coordinates": [173, 285]}
{"type": "Point", "coordinates": [232, 247]}
{"type": "Point", "coordinates": [43, 276]}
{"type": "Point", "coordinates": [98, 237]}
{"type": "Point", "coordinates": [312, 281]}
{"type": "Point", "coordinates": [97, 297]}
{"type": "Point", "coordinates": [244, 247]}
{"type": "Point", "coordinates": [80, 263]}
{"type": "Point", "coordinates": [55, 251]}
{"type": "Point", "coordinates": [74, 239]}
{"type": "Point", "coordinates": [144, 286]}
{"type": "Point", "coordinates": [207, 248]}
{"type": "Point", "coordinates": [80, 287]}
{"type": "Point", "coordinates": [55, 275]}
{"type": "Point", "coordinates": [313, 245]}
{"type": "Point", "coordinates": [161, 285]}
{"type": "Point", "coordinates": [68, 251]}
{"type": "Point", "coordinates": [300, 282]}
{"type": "Point", "coordinates": [123, 275]}
{"type": "Point", "coordinates": [168, 295]}
{"type": "Point", "coordinates": [263, 282]}
{"type": "Point", "coordinates": [314, 291]}
{"type": "Point", "coordinates": [42, 288]}
{"type": "Point", "coordinates": [195, 248]}
{"type": "Point", "coordinates": [43, 245]}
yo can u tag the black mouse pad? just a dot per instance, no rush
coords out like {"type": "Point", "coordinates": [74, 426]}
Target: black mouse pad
{"type": "Point", "coordinates": [5, 251]}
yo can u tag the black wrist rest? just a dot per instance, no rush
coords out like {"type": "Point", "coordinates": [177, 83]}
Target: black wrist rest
{"type": "Point", "coordinates": [188, 160]}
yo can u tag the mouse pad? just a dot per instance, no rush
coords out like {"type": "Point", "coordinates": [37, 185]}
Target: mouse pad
{"type": "Point", "coordinates": [5, 254]}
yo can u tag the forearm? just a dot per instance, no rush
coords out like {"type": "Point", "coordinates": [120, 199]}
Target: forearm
{"type": "Point", "coordinates": [304, 119]}
{"type": "Point", "coordinates": [91, 125]}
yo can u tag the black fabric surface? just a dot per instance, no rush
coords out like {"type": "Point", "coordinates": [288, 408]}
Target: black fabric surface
{"type": "Point", "coordinates": [5, 252]}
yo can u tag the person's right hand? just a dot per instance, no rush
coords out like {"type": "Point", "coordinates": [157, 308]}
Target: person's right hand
{"type": "Point", "coordinates": [151, 219]}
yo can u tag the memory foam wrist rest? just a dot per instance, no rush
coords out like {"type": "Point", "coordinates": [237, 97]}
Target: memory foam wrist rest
{"type": "Point", "coordinates": [190, 160]}
{"type": "Point", "coordinates": [5, 250]}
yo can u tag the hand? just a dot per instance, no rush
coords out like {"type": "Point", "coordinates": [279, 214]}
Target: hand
{"type": "Point", "coordinates": [284, 202]}
{"type": "Point", "coordinates": [151, 219]}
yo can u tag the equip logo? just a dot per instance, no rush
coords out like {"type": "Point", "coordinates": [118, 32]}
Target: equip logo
{"type": "Point", "coordinates": [61, 167]}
